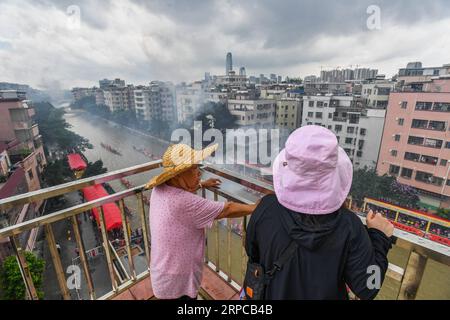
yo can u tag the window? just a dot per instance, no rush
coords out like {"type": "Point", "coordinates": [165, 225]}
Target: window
{"type": "Point", "coordinates": [428, 178]}
{"type": "Point", "coordinates": [362, 131]}
{"type": "Point", "coordinates": [319, 115]}
{"type": "Point", "coordinates": [443, 162]}
{"type": "Point", "coordinates": [441, 106]}
{"type": "Point", "coordinates": [348, 140]}
{"type": "Point", "coordinates": [348, 151]}
{"type": "Point", "coordinates": [412, 156]}
{"type": "Point", "coordinates": [354, 118]}
{"type": "Point", "coordinates": [359, 154]}
{"type": "Point", "coordinates": [338, 138]}
{"type": "Point", "coordinates": [404, 104]}
{"type": "Point", "coordinates": [330, 115]}
{"type": "Point", "coordinates": [310, 114]}
{"type": "Point", "coordinates": [338, 128]}
{"type": "Point", "coordinates": [448, 181]}
{"type": "Point", "coordinates": [433, 143]}
{"type": "Point", "coordinates": [360, 144]}
{"type": "Point", "coordinates": [394, 153]}
{"type": "Point", "coordinates": [309, 123]}
{"type": "Point", "coordinates": [30, 174]}
{"type": "Point", "coordinates": [397, 137]}
{"type": "Point", "coordinates": [320, 104]}
{"type": "Point", "coordinates": [406, 173]}
{"type": "Point", "coordinates": [330, 127]}
{"type": "Point", "coordinates": [447, 145]}
{"type": "Point", "coordinates": [436, 125]}
{"type": "Point", "coordinates": [420, 124]}
{"type": "Point", "coordinates": [401, 121]}
{"type": "Point", "coordinates": [350, 130]}
{"type": "Point", "coordinates": [426, 106]}
{"type": "Point", "coordinates": [429, 160]}
{"type": "Point", "coordinates": [311, 104]}
{"type": "Point", "coordinates": [415, 140]}
{"type": "Point", "coordinates": [394, 170]}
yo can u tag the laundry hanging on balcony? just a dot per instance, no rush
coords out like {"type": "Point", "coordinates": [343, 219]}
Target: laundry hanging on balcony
{"type": "Point", "coordinates": [111, 211]}
{"type": "Point", "coordinates": [76, 164]}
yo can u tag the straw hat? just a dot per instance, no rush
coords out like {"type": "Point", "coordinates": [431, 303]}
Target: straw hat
{"type": "Point", "coordinates": [177, 159]}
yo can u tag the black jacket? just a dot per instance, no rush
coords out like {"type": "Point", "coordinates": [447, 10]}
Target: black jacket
{"type": "Point", "coordinates": [333, 250]}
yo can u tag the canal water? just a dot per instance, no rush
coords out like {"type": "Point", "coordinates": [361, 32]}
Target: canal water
{"type": "Point", "coordinates": [436, 280]}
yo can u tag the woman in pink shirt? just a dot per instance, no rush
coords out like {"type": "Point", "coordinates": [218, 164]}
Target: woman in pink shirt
{"type": "Point", "coordinates": [178, 217]}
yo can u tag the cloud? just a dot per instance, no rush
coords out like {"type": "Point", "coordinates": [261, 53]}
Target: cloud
{"type": "Point", "coordinates": [179, 40]}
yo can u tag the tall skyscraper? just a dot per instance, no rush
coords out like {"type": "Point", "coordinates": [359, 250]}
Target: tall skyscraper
{"type": "Point", "coordinates": [229, 64]}
{"type": "Point", "coordinates": [242, 71]}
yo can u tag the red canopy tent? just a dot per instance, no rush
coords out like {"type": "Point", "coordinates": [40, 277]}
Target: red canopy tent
{"type": "Point", "coordinates": [76, 162]}
{"type": "Point", "coordinates": [111, 211]}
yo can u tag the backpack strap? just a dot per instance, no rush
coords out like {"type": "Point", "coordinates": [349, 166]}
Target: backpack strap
{"type": "Point", "coordinates": [285, 257]}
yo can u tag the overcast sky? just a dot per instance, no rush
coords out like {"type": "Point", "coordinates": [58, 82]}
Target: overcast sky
{"type": "Point", "coordinates": [178, 40]}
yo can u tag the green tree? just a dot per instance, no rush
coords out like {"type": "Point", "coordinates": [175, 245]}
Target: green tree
{"type": "Point", "coordinates": [57, 172]}
{"type": "Point", "coordinates": [367, 183]}
{"type": "Point", "coordinates": [11, 280]}
{"type": "Point", "coordinates": [94, 169]}
{"type": "Point", "coordinates": [217, 115]}
{"type": "Point", "coordinates": [443, 213]}
{"type": "Point", "coordinates": [55, 130]}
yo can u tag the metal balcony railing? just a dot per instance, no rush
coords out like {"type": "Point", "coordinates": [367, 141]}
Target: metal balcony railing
{"type": "Point", "coordinates": [225, 254]}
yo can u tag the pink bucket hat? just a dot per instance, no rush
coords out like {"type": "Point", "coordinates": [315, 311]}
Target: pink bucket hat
{"type": "Point", "coordinates": [312, 174]}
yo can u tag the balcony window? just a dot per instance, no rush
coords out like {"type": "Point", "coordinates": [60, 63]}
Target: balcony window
{"type": "Point", "coordinates": [394, 170]}
{"type": "Point", "coordinates": [428, 178]}
{"type": "Point", "coordinates": [443, 162]}
{"type": "Point", "coordinates": [441, 106]}
{"type": "Point", "coordinates": [433, 143]}
{"type": "Point", "coordinates": [424, 106]}
{"type": "Point", "coordinates": [406, 173]}
{"type": "Point", "coordinates": [412, 156]}
{"type": "Point", "coordinates": [394, 153]}
{"type": "Point", "coordinates": [404, 104]}
{"type": "Point", "coordinates": [429, 160]}
{"type": "Point", "coordinates": [419, 124]}
{"type": "Point", "coordinates": [436, 125]}
{"type": "Point", "coordinates": [360, 144]}
{"type": "Point", "coordinates": [354, 118]}
{"type": "Point", "coordinates": [418, 141]}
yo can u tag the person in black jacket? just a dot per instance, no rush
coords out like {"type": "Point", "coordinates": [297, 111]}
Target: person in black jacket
{"type": "Point", "coordinates": [312, 178]}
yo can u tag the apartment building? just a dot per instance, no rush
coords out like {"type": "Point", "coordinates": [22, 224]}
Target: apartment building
{"type": "Point", "coordinates": [416, 140]}
{"type": "Point", "coordinates": [189, 99]}
{"type": "Point", "coordinates": [22, 160]}
{"type": "Point", "coordinates": [155, 102]}
{"type": "Point", "coordinates": [376, 92]}
{"type": "Point", "coordinates": [357, 129]}
{"type": "Point", "coordinates": [288, 113]}
{"type": "Point", "coordinates": [258, 113]}
{"type": "Point", "coordinates": [118, 98]}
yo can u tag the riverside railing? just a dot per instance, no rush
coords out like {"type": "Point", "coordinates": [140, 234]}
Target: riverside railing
{"type": "Point", "coordinates": [225, 252]}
